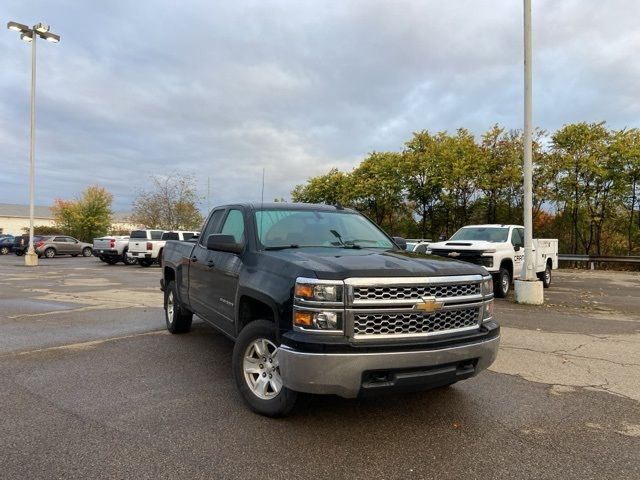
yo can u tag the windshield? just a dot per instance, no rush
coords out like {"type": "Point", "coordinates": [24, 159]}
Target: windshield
{"type": "Point", "coordinates": [488, 234]}
{"type": "Point", "coordinates": [312, 228]}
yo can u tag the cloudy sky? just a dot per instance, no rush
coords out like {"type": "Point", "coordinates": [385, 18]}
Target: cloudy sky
{"type": "Point", "coordinates": [221, 89]}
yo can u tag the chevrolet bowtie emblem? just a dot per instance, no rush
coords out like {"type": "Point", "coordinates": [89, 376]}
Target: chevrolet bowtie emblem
{"type": "Point", "coordinates": [454, 254]}
{"type": "Point", "coordinates": [429, 305]}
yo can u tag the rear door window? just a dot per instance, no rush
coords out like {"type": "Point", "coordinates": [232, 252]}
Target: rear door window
{"type": "Point", "coordinates": [156, 234]}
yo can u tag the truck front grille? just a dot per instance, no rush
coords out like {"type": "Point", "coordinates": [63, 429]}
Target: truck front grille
{"type": "Point", "coordinates": [415, 292]}
{"type": "Point", "coordinates": [386, 324]}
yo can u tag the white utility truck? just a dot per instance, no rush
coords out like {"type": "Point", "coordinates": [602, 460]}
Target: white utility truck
{"type": "Point", "coordinates": [499, 249]}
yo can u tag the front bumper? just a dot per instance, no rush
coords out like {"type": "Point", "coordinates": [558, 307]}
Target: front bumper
{"type": "Point", "coordinates": [349, 374]}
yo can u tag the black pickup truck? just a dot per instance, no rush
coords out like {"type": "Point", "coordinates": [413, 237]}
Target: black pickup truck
{"type": "Point", "coordinates": [318, 299]}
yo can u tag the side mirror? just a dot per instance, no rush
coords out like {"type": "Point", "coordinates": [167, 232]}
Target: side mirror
{"type": "Point", "coordinates": [442, 238]}
{"type": "Point", "coordinates": [516, 248]}
{"type": "Point", "coordinates": [223, 243]}
{"type": "Point", "coordinates": [400, 242]}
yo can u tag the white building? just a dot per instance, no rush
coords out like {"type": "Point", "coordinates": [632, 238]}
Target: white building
{"type": "Point", "coordinates": [15, 218]}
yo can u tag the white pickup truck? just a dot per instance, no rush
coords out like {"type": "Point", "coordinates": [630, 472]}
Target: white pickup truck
{"type": "Point", "coordinates": [500, 249]}
{"type": "Point", "coordinates": [113, 249]}
{"type": "Point", "coordinates": [147, 245]}
{"type": "Point", "coordinates": [144, 246]}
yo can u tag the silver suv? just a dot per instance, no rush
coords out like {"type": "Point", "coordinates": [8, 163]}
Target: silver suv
{"type": "Point", "coordinates": [51, 246]}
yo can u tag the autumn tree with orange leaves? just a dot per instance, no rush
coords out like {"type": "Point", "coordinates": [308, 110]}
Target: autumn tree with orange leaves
{"type": "Point", "coordinates": [87, 217]}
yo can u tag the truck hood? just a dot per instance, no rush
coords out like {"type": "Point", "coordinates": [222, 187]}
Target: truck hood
{"type": "Point", "coordinates": [342, 263]}
{"type": "Point", "coordinates": [464, 245]}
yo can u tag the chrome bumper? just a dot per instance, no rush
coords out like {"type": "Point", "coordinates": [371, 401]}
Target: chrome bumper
{"type": "Point", "coordinates": [341, 373]}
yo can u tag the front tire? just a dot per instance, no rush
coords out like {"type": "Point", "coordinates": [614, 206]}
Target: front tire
{"type": "Point", "coordinates": [178, 319]}
{"type": "Point", "coordinates": [545, 277]}
{"type": "Point", "coordinates": [257, 372]}
{"type": "Point", "coordinates": [502, 283]}
{"type": "Point", "coordinates": [49, 253]}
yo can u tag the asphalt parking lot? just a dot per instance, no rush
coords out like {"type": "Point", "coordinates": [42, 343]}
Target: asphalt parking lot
{"type": "Point", "coordinates": [92, 386]}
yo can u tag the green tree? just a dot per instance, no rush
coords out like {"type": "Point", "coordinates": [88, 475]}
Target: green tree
{"type": "Point", "coordinates": [377, 187]}
{"type": "Point", "coordinates": [331, 189]}
{"type": "Point", "coordinates": [171, 204]}
{"type": "Point", "coordinates": [422, 177]}
{"type": "Point", "coordinates": [86, 217]}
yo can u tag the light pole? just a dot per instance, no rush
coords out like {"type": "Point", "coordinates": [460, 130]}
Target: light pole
{"type": "Point", "coordinates": [528, 289]}
{"type": "Point", "coordinates": [29, 35]}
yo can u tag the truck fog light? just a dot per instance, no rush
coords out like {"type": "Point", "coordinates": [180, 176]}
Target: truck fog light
{"type": "Point", "coordinates": [487, 285]}
{"type": "Point", "coordinates": [487, 312]}
{"type": "Point", "coordinates": [326, 320]}
{"type": "Point", "coordinates": [304, 319]}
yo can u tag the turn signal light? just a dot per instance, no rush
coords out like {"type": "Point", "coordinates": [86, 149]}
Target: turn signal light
{"type": "Point", "coordinates": [304, 291]}
{"type": "Point", "coordinates": [304, 319]}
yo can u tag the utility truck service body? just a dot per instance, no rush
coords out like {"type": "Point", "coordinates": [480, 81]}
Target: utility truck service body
{"type": "Point", "coordinates": [499, 249]}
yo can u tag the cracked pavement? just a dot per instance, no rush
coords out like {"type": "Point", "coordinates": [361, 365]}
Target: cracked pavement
{"type": "Point", "coordinates": [92, 386]}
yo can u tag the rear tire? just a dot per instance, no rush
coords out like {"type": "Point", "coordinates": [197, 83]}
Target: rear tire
{"type": "Point", "coordinates": [502, 283]}
{"type": "Point", "coordinates": [19, 252]}
{"type": "Point", "coordinates": [74, 254]}
{"type": "Point", "coordinates": [257, 372]}
{"type": "Point", "coordinates": [545, 277]}
{"type": "Point", "coordinates": [87, 251]}
{"type": "Point", "coordinates": [102, 258]}
{"type": "Point", "coordinates": [127, 260]}
{"type": "Point", "coordinates": [144, 262]}
{"type": "Point", "coordinates": [111, 260]}
{"type": "Point", "coordinates": [4, 251]}
{"type": "Point", "coordinates": [178, 319]}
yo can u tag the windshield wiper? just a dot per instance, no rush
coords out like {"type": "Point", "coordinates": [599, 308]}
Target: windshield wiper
{"type": "Point", "coordinates": [342, 243]}
{"type": "Point", "coordinates": [282, 247]}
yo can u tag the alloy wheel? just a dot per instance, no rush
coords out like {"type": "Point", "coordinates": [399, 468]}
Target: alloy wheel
{"type": "Point", "coordinates": [261, 369]}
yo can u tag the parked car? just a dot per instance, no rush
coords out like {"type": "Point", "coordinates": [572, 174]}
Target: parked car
{"type": "Point", "coordinates": [6, 244]}
{"type": "Point", "coordinates": [21, 244]}
{"type": "Point", "coordinates": [52, 245]}
{"type": "Point", "coordinates": [144, 246]}
{"type": "Point", "coordinates": [113, 249]}
{"type": "Point", "coordinates": [500, 249]}
{"type": "Point", "coordinates": [319, 299]}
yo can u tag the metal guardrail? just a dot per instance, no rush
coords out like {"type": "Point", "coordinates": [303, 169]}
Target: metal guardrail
{"type": "Point", "coordinates": [593, 259]}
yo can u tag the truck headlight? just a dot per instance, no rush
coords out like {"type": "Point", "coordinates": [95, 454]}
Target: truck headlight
{"type": "Point", "coordinates": [317, 320]}
{"type": "Point", "coordinates": [487, 286]}
{"type": "Point", "coordinates": [318, 292]}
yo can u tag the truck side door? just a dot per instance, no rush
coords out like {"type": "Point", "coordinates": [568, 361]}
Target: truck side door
{"type": "Point", "coordinates": [199, 284]}
{"type": "Point", "coordinates": [517, 240]}
{"type": "Point", "coordinates": [225, 271]}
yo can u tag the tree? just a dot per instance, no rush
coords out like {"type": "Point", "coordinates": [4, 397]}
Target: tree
{"type": "Point", "coordinates": [84, 218]}
{"type": "Point", "coordinates": [422, 176]}
{"type": "Point", "coordinates": [171, 204]}
{"type": "Point", "coordinates": [332, 188]}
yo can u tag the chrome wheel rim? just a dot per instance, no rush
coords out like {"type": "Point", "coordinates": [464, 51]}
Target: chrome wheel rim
{"type": "Point", "coordinates": [505, 283]}
{"type": "Point", "coordinates": [170, 307]}
{"type": "Point", "coordinates": [49, 254]}
{"type": "Point", "coordinates": [261, 369]}
{"type": "Point", "coordinates": [547, 276]}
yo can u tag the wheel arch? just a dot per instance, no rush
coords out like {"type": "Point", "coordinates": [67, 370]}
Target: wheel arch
{"type": "Point", "coordinates": [254, 306]}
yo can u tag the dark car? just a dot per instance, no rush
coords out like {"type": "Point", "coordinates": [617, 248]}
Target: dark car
{"type": "Point", "coordinates": [6, 244]}
{"type": "Point", "coordinates": [21, 244]}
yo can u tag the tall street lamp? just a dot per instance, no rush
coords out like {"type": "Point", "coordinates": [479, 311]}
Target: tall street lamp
{"type": "Point", "coordinates": [528, 289]}
{"type": "Point", "coordinates": [30, 35]}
